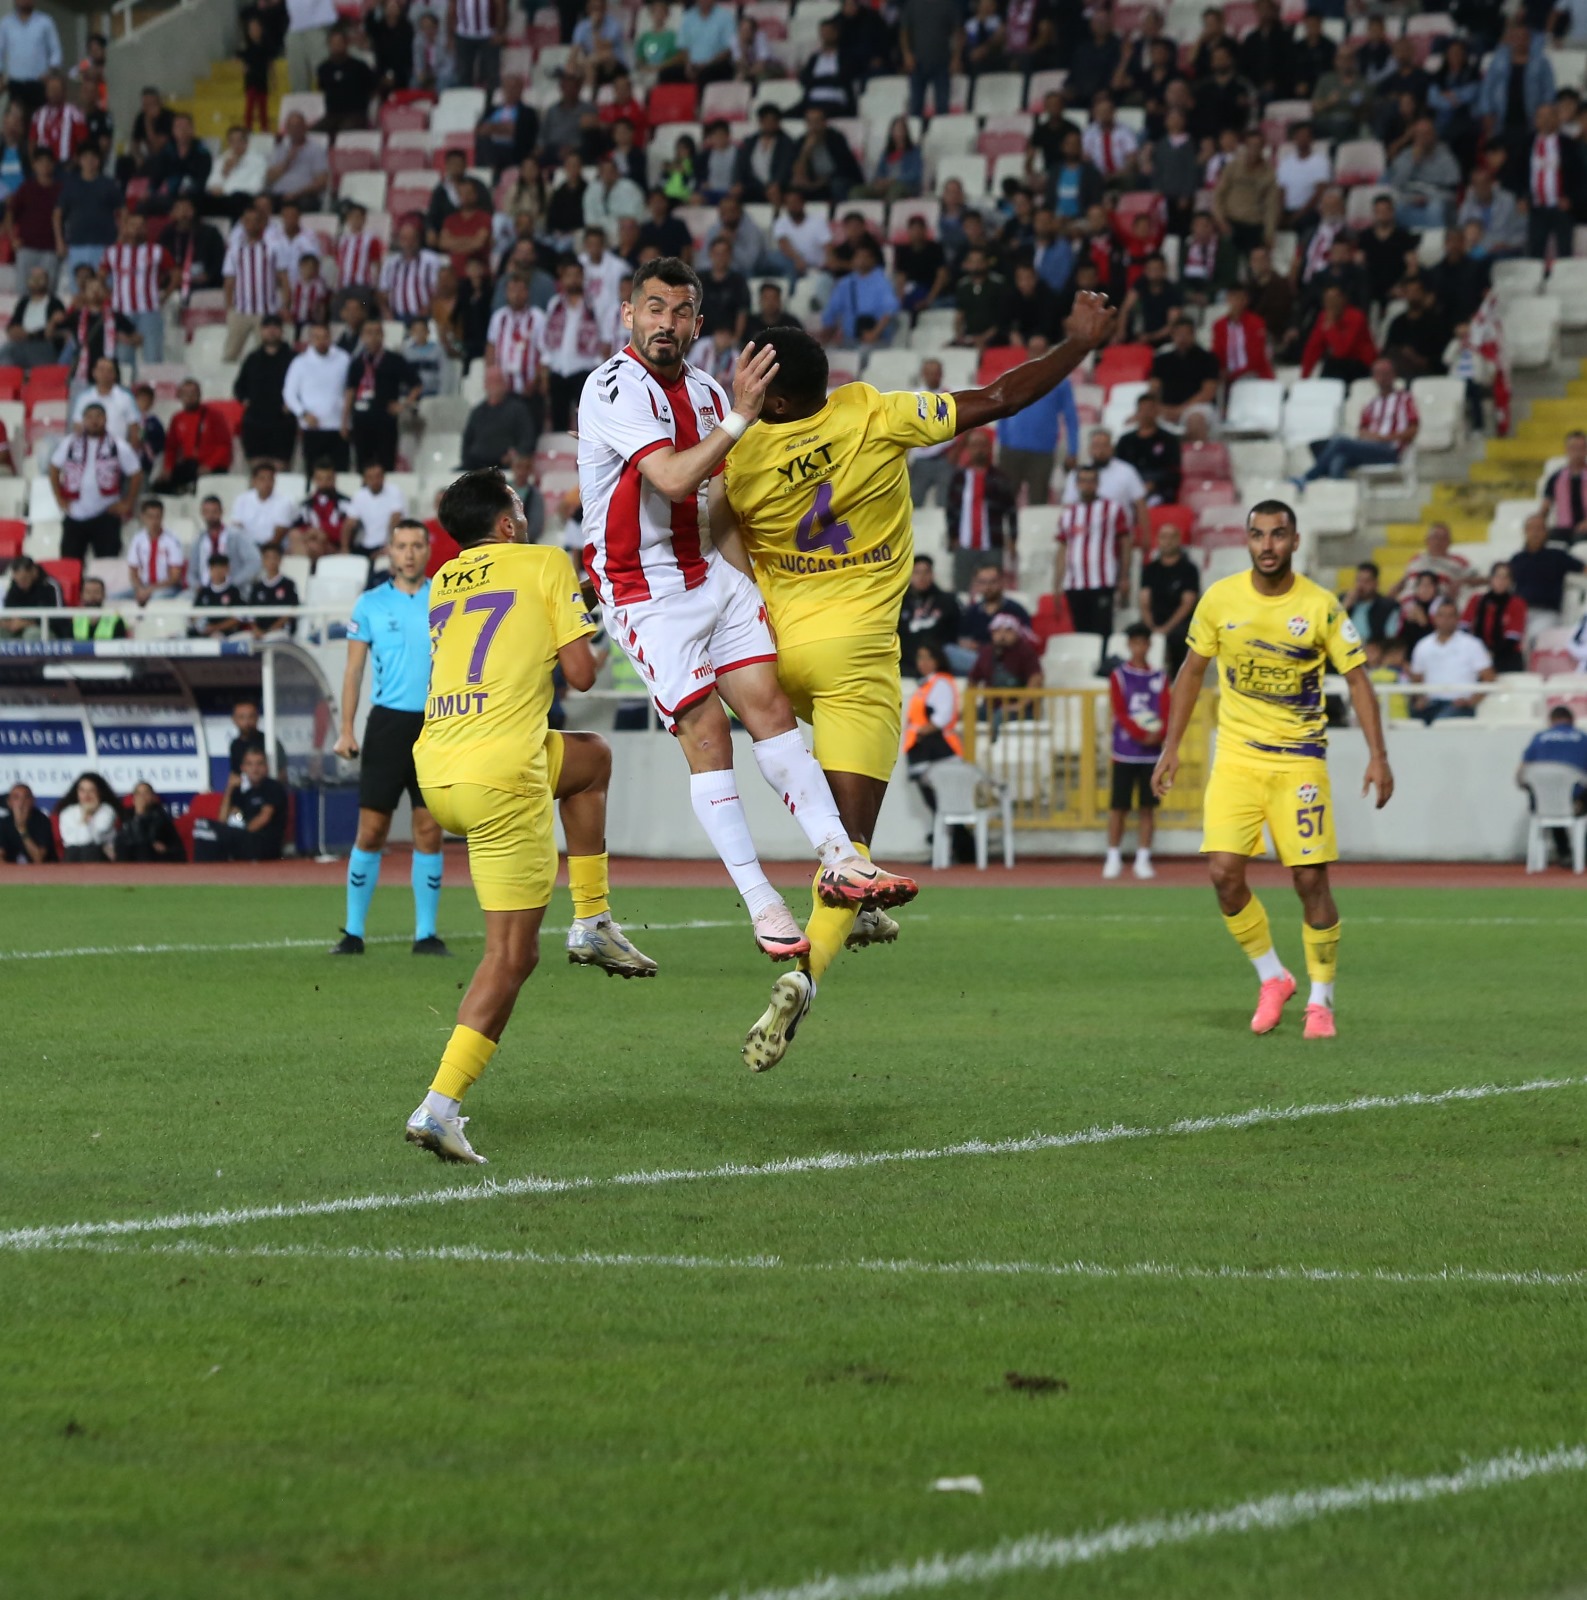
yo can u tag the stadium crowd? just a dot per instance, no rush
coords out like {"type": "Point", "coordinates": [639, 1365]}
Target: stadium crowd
{"type": "Point", "coordinates": [1306, 219]}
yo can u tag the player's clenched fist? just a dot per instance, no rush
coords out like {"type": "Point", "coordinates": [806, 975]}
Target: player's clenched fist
{"type": "Point", "coordinates": [752, 379]}
{"type": "Point", "coordinates": [1092, 321]}
{"type": "Point", "coordinates": [346, 746]}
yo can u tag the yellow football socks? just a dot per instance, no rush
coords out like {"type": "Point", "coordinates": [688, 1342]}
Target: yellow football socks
{"type": "Point", "coordinates": [1250, 929]}
{"type": "Point", "coordinates": [828, 928]}
{"type": "Point", "coordinates": [1322, 961]}
{"type": "Point", "coordinates": [467, 1054]}
{"type": "Point", "coordinates": [588, 883]}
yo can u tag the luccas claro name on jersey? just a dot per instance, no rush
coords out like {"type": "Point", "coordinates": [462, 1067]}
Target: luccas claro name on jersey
{"type": "Point", "coordinates": [805, 564]}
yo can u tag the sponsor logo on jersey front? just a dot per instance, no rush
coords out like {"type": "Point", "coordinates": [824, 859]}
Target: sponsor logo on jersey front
{"type": "Point", "coordinates": [1298, 627]}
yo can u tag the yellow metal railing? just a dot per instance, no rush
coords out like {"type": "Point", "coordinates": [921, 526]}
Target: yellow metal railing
{"type": "Point", "coordinates": [1052, 747]}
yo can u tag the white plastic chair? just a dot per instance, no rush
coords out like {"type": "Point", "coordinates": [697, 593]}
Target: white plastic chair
{"type": "Point", "coordinates": [959, 787]}
{"type": "Point", "coordinates": [1553, 785]}
{"type": "Point", "coordinates": [1256, 406]}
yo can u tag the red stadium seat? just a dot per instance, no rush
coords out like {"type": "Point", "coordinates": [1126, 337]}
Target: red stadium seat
{"type": "Point", "coordinates": [1552, 663]}
{"type": "Point", "coordinates": [1205, 459]}
{"type": "Point", "coordinates": [231, 410]}
{"type": "Point", "coordinates": [1140, 202]}
{"type": "Point", "coordinates": [997, 359]}
{"type": "Point", "coordinates": [672, 102]}
{"type": "Point", "coordinates": [45, 383]}
{"type": "Point", "coordinates": [406, 112]}
{"type": "Point", "coordinates": [13, 532]}
{"type": "Point", "coordinates": [1052, 616]}
{"type": "Point", "coordinates": [1181, 517]}
{"type": "Point", "coordinates": [1123, 363]}
{"type": "Point", "coordinates": [69, 575]}
{"type": "Point", "coordinates": [11, 383]}
{"type": "Point", "coordinates": [1207, 493]}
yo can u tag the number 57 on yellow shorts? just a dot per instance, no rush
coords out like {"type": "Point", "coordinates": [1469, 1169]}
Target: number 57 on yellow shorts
{"type": "Point", "coordinates": [1293, 798]}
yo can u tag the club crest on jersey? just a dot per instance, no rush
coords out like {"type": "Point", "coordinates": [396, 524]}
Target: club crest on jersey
{"type": "Point", "coordinates": [708, 419]}
{"type": "Point", "coordinates": [1307, 794]}
{"type": "Point", "coordinates": [1298, 627]}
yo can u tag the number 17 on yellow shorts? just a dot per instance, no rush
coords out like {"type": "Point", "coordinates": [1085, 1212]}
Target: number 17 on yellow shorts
{"type": "Point", "coordinates": [1292, 798]}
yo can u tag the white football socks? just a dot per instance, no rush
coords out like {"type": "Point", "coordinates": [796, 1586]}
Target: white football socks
{"type": "Point", "coordinates": [1322, 994]}
{"type": "Point", "coordinates": [1115, 861]}
{"type": "Point", "coordinates": [721, 814]}
{"type": "Point", "coordinates": [441, 1105]}
{"type": "Point", "coordinates": [793, 773]}
{"type": "Point", "coordinates": [1143, 857]}
{"type": "Point", "coordinates": [1268, 966]}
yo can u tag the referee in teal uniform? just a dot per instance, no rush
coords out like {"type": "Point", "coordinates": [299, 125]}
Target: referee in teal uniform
{"type": "Point", "coordinates": [391, 623]}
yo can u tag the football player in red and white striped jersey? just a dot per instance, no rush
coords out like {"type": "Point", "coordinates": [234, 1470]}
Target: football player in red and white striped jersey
{"type": "Point", "coordinates": [653, 432]}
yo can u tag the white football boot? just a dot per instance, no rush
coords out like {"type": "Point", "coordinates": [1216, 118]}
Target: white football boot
{"type": "Point", "coordinates": [442, 1136]}
{"type": "Point", "coordinates": [871, 926]}
{"type": "Point", "coordinates": [767, 1042]}
{"type": "Point", "coordinates": [606, 946]}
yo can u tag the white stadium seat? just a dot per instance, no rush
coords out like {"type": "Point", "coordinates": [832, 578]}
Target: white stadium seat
{"type": "Point", "coordinates": [1531, 331]}
{"type": "Point", "coordinates": [1256, 406]}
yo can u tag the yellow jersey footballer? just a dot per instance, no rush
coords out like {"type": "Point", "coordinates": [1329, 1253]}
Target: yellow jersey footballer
{"type": "Point", "coordinates": [503, 614]}
{"type": "Point", "coordinates": [815, 503]}
{"type": "Point", "coordinates": [1273, 635]}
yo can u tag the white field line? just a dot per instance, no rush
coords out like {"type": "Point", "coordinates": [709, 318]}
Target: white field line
{"type": "Point", "coordinates": [832, 1161]}
{"type": "Point", "coordinates": [1158, 1271]}
{"type": "Point", "coordinates": [1046, 1552]}
{"type": "Point", "coordinates": [1153, 919]}
{"type": "Point", "coordinates": [297, 944]}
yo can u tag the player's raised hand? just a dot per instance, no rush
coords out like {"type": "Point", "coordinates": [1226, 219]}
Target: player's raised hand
{"type": "Point", "coordinates": [751, 380]}
{"type": "Point", "coordinates": [1164, 773]}
{"type": "Point", "coordinates": [1093, 320]}
{"type": "Point", "coordinates": [1380, 778]}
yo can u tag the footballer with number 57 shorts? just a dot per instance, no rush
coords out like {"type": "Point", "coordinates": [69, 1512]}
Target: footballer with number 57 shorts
{"type": "Point", "coordinates": [1273, 635]}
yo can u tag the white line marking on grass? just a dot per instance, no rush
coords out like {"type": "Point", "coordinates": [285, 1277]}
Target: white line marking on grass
{"type": "Point", "coordinates": [1046, 1552]}
{"type": "Point", "coordinates": [1145, 919]}
{"type": "Point", "coordinates": [299, 944]}
{"type": "Point", "coordinates": [1154, 1270]}
{"type": "Point", "coordinates": [832, 1161]}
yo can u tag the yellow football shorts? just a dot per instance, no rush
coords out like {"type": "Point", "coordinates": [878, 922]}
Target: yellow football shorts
{"type": "Point", "coordinates": [1292, 798]}
{"type": "Point", "coordinates": [512, 847]}
{"type": "Point", "coordinates": [848, 691]}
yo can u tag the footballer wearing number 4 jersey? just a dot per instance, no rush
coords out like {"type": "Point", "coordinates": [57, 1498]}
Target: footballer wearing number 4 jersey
{"type": "Point", "coordinates": [1273, 634]}
{"type": "Point", "coordinates": [816, 503]}
{"type": "Point", "coordinates": [653, 432]}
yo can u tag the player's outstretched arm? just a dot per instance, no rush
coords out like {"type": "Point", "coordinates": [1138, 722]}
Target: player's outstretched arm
{"type": "Point", "coordinates": [1090, 326]}
{"type": "Point", "coordinates": [352, 683]}
{"type": "Point", "coordinates": [1370, 716]}
{"type": "Point", "coordinates": [678, 474]}
{"type": "Point", "coordinates": [1187, 686]}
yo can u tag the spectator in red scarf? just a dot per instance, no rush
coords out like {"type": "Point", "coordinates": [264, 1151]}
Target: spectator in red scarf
{"type": "Point", "coordinates": [1497, 616]}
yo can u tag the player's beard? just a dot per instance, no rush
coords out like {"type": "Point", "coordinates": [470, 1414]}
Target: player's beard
{"type": "Point", "coordinates": [670, 357]}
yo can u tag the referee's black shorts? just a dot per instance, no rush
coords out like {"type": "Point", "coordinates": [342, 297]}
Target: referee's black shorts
{"type": "Point", "coordinates": [386, 772]}
{"type": "Point", "coordinates": [1133, 779]}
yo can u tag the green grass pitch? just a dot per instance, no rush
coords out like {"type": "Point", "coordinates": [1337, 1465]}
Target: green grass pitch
{"type": "Point", "coordinates": [320, 1405]}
